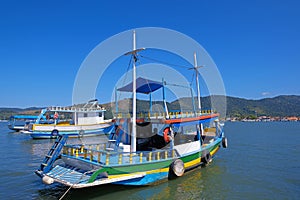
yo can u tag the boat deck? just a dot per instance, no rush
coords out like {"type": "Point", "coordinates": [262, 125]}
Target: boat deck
{"type": "Point", "coordinates": [68, 175]}
{"type": "Point", "coordinates": [75, 179]}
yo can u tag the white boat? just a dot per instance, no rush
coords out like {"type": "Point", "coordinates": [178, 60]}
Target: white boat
{"type": "Point", "coordinates": [86, 120]}
{"type": "Point", "coordinates": [20, 122]}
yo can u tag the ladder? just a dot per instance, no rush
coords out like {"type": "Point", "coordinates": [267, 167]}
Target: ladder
{"type": "Point", "coordinates": [41, 116]}
{"type": "Point", "coordinates": [52, 155]}
{"type": "Point", "coordinates": [115, 138]}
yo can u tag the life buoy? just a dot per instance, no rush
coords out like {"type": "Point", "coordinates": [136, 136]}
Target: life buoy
{"type": "Point", "coordinates": [167, 132]}
{"type": "Point", "coordinates": [224, 142]}
{"type": "Point", "coordinates": [54, 132]}
{"type": "Point", "coordinates": [81, 133]}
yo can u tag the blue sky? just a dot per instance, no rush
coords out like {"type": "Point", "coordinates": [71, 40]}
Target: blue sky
{"type": "Point", "coordinates": [255, 44]}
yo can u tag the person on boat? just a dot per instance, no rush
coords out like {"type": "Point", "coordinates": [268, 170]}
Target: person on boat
{"type": "Point", "coordinates": [170, 137]}
{"type": "Point", "coordinates": [55, 117]}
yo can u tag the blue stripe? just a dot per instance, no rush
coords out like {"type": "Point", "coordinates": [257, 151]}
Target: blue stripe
{"type": "Point", "coordinates": [37, 135]}
{"type": "Point", "coordinates": [146, 180]}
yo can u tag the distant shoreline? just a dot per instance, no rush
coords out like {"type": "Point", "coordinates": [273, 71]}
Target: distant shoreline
{"type": "Point", "coordinates": [279, 108]}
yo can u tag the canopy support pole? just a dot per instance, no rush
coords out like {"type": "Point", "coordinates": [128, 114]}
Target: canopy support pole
{"type": "Point", "coordinates": [133, 137]}
{"type": "Point", "coordinates": [164, 100]}
{"type": "Point", "coordinates": [116, 101]}
{"type": "Point", "coordinates": [150, 100]}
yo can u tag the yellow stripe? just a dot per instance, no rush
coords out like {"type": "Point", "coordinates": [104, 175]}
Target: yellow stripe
{"type": "Point", "coordinates": [123, 175]}
{"type": "Point", "coordinates": [147, 172]}
{"type": "Point", "coordinates": [158, 170]}
{"type": "Point", "coordinates": [198, 160]}
{"type": "Point", "coordinates": [214, 151]}
{"type": "Point", "coordinates": [67, 124]}
{"type": "Point", "coordinates": [193, 162]}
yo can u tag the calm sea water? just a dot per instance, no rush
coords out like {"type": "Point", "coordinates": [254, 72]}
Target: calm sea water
{"type": "Point", "coordinates": [262, 162]}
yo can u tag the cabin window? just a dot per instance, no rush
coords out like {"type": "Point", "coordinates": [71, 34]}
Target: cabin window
{"type": "Point", "coordinates": [185, 134]}
{"type": "Point", "coordinates": [100, 114]}
{"type": "Point", "coordinates": [85, 114]}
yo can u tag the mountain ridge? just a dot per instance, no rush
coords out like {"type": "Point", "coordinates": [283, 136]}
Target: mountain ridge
{"type": "Point", "coordinates": [279, 106]}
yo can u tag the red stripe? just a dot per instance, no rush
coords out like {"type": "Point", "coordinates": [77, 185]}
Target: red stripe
{"type": "Point", "coordinates": [189, 119]}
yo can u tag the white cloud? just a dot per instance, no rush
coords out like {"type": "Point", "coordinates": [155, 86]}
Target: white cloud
{"type": "Point", "coordinates": [265, 93]}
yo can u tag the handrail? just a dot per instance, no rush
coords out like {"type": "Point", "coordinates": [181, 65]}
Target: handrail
{"type": "Point", "coordinates": [92, 153]}
{"type": "Point", "coordinates": [74, 109]}
{"type": "Point", "coordinates": [162, 115]}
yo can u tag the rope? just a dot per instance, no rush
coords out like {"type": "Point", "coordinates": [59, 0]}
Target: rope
{"type": "Point", "coordinates": [119, 97]}
{"type": "Point", "coordinates": [75, 183]}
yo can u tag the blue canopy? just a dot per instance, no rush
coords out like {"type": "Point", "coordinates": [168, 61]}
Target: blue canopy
{"type": "Point", "coordinates": [29, 117]}
{"type": "Point", "coordinates": [144, 86]}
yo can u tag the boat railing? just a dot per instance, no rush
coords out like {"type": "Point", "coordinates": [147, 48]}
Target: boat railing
{"type": "Point", "coordinates": [162, 115]}
{"type": "Point", "coordinates": [96, 154]}
{"type": "Point", "coordinates": [74, 109]}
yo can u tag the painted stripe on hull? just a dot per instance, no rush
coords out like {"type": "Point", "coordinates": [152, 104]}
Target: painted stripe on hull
{"type": "Point", "coordinates": [190, 119]}
{"type": "Point", "coordinates": [146, 180]}
{"type": "Point", "coordinates": [162, 173]}
{"type": "Point", "coordinates": [48, 135]}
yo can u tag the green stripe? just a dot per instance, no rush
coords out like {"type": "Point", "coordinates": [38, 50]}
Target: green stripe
{"type": "Point", "coordinates": [126, 169]}
{"type": "Point", "coordinates": [197, 155]}
{"type": "Point", "coordinates": [140, 167]}
{"type": "Point", "coordinates": [143, 167]}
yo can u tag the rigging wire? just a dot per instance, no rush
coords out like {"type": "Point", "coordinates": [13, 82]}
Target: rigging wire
{"type": "Point", "coordinates": [167, 63]}
{"type": "Point", "coordinates": [192, 79]}
{"type": "Point", "coordinates": [155, 60]}
{"type": "Point", "coordinates": [176, 85]}
{"type": "Point", "coordinates": [125, 78]}
{"type": "Point", "coordinates": [137, 56]}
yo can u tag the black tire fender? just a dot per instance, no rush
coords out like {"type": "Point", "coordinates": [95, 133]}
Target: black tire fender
{"type": "Point", "coordinates": [206, 157]}
{"type": "Point", "coordinates": [224, 142]}
{"type": "Point", "coordinates": [177, 167]}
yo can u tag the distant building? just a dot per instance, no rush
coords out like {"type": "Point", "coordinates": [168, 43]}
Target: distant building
{"type": "Point", "coordinates": [292, 118]}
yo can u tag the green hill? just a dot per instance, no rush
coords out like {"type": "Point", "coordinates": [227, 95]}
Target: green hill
{"type": "Point", "coordinates": [280, 106]}
{"type": "Point", "coordinates": [5, 113]}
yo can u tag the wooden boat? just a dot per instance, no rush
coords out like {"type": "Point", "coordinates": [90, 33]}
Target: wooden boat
{"type": "Point", "coordinates": [85, 120]}
{"type": "Point", "coordinates": [143, 149]}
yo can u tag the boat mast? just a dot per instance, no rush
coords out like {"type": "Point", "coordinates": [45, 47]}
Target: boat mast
{"type": "Point", "coordinates": [199, 126]}
{"type": "Point", "coordinates": [134, 54]}
{"type": "Point", "coordinates": [197, 81]}
{"type": "Point", "coordinates": [133, 140]}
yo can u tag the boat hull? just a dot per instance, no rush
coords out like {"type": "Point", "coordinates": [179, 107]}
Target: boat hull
{"type": "Point", "coordinates": [142, 173]}
{"type": "Point", "coordinates": [46, 132]}
{"type": "Point", "coordinates": [161, 173]}
{"type": "Point", "coordinates": [16, 128]}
